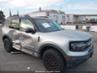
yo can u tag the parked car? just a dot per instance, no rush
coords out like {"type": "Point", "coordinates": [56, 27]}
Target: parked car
{"type": "Point", "coordinates": [44, 38]}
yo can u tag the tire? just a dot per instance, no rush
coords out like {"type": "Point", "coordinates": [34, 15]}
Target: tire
{"type": "Point", "coordinates": [8, 45]}
{"type": "Point", "coordinates": [53, 61]}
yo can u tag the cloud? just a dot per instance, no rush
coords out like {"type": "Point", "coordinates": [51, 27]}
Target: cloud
{"type": "Point", "coordinates": [17, 3]}
{"type": "Point", "coordinates": [82, 6]}
{"type": "Point", "coordinates": [3, 0]}
{"type": "Point", "coordinates": [71, 6]}
{"type": "Point", "coordinates": [24, 6]}
{"type": "Point", "coordinates": [33, 3]}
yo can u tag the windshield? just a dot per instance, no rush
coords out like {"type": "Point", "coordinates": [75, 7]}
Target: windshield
{"type": "Point", "coordinates": [47, 25]}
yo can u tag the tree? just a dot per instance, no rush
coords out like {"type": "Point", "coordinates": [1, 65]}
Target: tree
{"type": "Point", "coordinates": [2, 17]}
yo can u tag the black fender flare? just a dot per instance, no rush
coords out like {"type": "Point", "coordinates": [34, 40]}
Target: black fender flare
{"type": "Point", "coordinates": [6, 36]}
{"type": "Point", "coordinates": [55, 47]}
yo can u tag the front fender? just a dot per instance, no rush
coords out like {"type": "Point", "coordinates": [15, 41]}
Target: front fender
{"type": "Point", "coordinates": [55, 47]}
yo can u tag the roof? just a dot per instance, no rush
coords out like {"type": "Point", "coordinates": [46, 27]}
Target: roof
{"type": "Point", "coordinates": [52, 11]}
{"type": "Point", "coordinates": [27, 16]}
{"type": "Point", "coordinates": [85, 14]}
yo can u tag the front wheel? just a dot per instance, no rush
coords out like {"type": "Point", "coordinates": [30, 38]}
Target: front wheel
{"type": "Point", "coordinates": [7, 45]}
{"type": "Point", "coordinates": [53, 61]}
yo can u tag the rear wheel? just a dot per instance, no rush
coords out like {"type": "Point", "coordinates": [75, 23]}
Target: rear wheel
{"type": "Point", "coordinates": [8, 45]}
{"type": "Point", "coordinates": [53, 61]}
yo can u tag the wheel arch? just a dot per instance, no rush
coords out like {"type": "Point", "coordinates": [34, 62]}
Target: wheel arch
{"type": "Point", "coordinates": [6, 36]}
{"type": "Point", "coordinates": [45, 47]}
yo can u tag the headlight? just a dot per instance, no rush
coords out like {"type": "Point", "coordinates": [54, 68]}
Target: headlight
{"type": "Point", "coordinates": [79, 46]}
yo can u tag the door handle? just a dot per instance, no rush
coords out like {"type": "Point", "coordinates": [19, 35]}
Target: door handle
{"type": "Point", "coordinates": [38, 38]}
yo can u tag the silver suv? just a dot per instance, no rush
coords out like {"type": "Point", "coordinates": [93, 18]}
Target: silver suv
{"type": "Point", "coordinates": [41, 37]}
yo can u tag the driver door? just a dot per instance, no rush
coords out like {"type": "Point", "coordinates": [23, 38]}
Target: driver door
{"type": "Point", "coordinates": [28, 40]}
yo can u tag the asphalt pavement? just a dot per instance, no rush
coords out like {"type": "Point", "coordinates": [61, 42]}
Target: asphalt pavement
{"type": "Point", "coordinates": [18, 62]}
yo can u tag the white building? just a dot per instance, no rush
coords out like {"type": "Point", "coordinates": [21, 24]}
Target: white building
{"type": "Point", "coordinates": [58, 16]}
{"type": "Point", "coordinates": [69, 18]}
{"type": "Point", "coordinates": [80, 18]}
{"type": "Point", "coordinates": [62, 18]}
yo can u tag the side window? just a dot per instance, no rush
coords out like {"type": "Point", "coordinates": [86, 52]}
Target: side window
{"type": "Point", "coordinates": [14, 23]}
{"type": "Point", "coordinates": [25, 23]}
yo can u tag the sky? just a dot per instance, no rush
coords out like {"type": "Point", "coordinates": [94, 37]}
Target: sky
{"type": "Point", "coordinates": [68, 6]}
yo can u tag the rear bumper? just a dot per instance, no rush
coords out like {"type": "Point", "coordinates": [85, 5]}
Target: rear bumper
{"type": "Point", "coordinates": [72, 61]}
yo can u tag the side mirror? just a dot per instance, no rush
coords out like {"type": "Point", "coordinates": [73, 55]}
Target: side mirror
{"type": "Point", "coordinates": [30, 30]}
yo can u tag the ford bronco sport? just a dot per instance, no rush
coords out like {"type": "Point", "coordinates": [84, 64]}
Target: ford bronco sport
{"type": "Point", "coordinates": [44, 38]}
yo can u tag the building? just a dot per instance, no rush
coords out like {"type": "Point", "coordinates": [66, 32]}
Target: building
{"type": "Point", "coordinates": [62, 18]}
{"type": "Point", "coordinates": [80, 18]}
{"type": "Point", "coordinates": [58, 16]}
{"type": "Point", "coordinates": [69, 18]}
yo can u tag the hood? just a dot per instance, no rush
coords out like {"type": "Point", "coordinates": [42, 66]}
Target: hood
{"type": "Point", "coordinates": [71, 35]}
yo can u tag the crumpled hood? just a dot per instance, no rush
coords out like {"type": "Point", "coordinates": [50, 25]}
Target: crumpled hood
{"type": "Point", "coordinates": [71, 35]}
